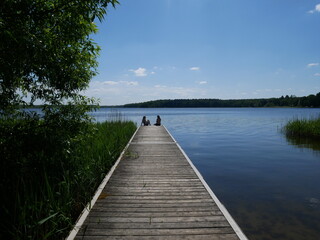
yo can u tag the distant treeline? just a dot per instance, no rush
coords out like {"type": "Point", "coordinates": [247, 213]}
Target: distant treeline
{"type": "Point", "coordinates": [287, 101]}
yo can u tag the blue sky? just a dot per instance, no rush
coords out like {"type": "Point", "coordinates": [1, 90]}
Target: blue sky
{"type": "Point", "coordinates": [226, 49]}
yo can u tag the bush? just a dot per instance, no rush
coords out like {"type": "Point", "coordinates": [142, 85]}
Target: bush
{"type": "Point", "coordinates": [51, 167]}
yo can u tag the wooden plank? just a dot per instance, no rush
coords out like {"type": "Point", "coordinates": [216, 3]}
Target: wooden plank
{"type": "Point", "coordinates": [160, 190]}
{"type": "Point", "coordinates": [151, 191]}
{"type": "Point", "coordinates": [164, 194]}
{"type": "Point", "coordinates": [190, 213]}
{"type": "Point", "coordinates": [156, 225]}
{"type": "Point", "coordinates": [166, 169]}
{"type": "Point", "coordinates": [150, 205]}
{"type": "Point", "coordinates": [147, 187]}
{"type": "Point", "coordinates": [153, 197]}
{"type": "Point", "coordinates": [157, 185]}
{"type": "Point", "coordinates": [156, 209]}
{"type": "Point", "coordinates": [174, 237]}
{"type": "Point", "coordinates": [155, 201]}
{"type": "Point", "coordinates": [155, 219]}
{"type": "Point", "coordinates": [154, 193]}
{"type": "Point", "coordinates": [127, 209]}
{"type": "Point", "coordinates": [152, 180]}
{"type": "Point", "coordinates": [139, 156]}
{"type": "Point", "coordinates": [154, 177]}
{"type": "Point", "coordinates": [157, 232]}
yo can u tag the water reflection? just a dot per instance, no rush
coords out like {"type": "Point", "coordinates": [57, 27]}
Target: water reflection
{"type": "Point", "coordinates": [303, 142]}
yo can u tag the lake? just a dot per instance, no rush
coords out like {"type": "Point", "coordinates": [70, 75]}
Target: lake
{"type": "Point", "coordinates": [268, 183]}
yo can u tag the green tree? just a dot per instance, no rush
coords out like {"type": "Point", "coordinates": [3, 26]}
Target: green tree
{"type": "Point", "coordinates": [46, 52]}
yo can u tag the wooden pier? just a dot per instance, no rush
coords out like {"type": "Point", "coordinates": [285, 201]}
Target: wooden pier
{"type": "Point", "coordinates": [155, 192]}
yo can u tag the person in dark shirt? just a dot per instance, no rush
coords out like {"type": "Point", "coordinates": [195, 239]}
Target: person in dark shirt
{"type": "Point", "coordinates": [158, 121]}
{"type": "Point", "coordinates": [145, 122]}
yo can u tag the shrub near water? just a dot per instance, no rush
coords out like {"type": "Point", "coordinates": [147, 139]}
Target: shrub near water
{"type": "Point", "coordinates": [50, 171]}
{"type": "Point", "coordinates": [303, 128]}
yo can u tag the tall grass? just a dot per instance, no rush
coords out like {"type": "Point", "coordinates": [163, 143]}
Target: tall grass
{"type": "Point", "coordinates": [47, 178]}
{"type": "Point", "coordinates": [114, 115]}
{"type": "Point", "coordinates": [303, 128]}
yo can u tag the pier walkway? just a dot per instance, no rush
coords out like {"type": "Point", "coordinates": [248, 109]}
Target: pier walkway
{"type": "Point", "coordinates": [155, 192]}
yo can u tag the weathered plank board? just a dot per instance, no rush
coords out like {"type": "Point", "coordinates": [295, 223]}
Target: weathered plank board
{"type": "Point", "coordinates": [158, 225]}
{"type": "Point", "coordinates": [163, 237]}
{"type": "Point", "coordinates": [155, 192]}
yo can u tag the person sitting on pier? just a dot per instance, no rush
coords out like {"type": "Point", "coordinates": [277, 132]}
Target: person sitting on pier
{"type": "Point", "coordinates": [158, 121]}
{"type": "Point", "coordinates": [145, 122]}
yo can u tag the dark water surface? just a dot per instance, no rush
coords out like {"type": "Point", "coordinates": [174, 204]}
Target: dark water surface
{"type": "Point", "coordinates": [269, 184]}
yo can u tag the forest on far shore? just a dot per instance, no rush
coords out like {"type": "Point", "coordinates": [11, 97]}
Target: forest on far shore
{"type": "Point", "coordinates": [312, 101]}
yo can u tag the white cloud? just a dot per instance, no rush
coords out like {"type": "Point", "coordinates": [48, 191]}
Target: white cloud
{"type": "Point", "coordinates": [110, 83]}
{"type": "Point", "coordinates": [130, 83]}
{"type": "Point", "coordinates": [313, 64]}
{"type": "Point", "coordinates": [317, 74]}
{"type": "Point", "coordinates": [194, 68]}
{"type": "Point", "coordinates": [316, 9]}
{"type": "Point", "coordinates": [140, 72]}
{"type": "Point", "coordinates": [203, 82]}
{"type": "Point", "coordinates": [98, 85]}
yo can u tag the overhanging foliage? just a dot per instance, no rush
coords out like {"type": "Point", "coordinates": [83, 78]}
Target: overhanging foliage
{"type": "Point", "coordinates": [46, 52]}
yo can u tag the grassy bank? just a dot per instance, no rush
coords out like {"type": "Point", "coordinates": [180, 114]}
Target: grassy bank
{"type": "Point", "coordinates": [49, 174]}
{"type": "Point", "coordinates": [303, 128]}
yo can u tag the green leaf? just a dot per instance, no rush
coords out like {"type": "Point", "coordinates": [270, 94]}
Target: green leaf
{"type": "Point", "coordinates": [46, 219]}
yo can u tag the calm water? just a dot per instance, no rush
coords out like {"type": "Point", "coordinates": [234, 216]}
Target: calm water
{"type": "Point", "coordinates": [269, 184]}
